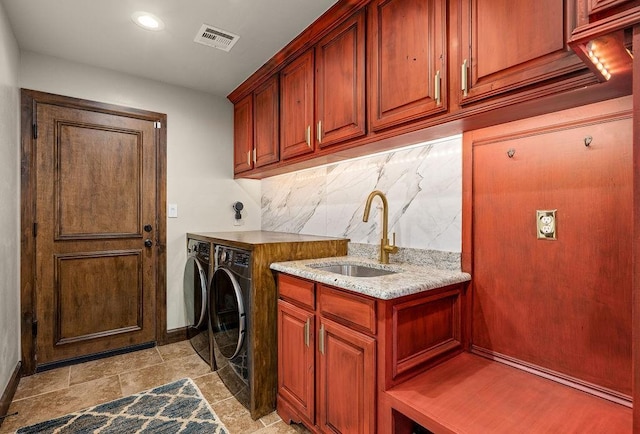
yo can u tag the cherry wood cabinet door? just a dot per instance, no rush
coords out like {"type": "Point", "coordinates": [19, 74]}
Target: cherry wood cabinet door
{"type": "Point", "coordinates": [266, 122]}
{"type": "Point", "coordinates": [599, 7]}
{"type": "Point", "coordinates": [296, 107]}
{"type": "Point", "coordinates": [407, 60]}
{"type": "Point", "coordinates": [340, 82]}
{"type": "Point", "coordinates": [243, 135]}
{"type": "Point", "coordinates": [296, 364]}
{"type": "Point", "coordinates": [347, 380]}
{"type": "Point", "coordinates": [507, 45]}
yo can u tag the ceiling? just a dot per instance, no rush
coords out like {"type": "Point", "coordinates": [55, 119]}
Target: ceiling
{"type": "Point", "coordinates": [101, 33]}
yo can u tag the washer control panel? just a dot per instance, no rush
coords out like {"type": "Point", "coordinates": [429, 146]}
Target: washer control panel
{"type": "Point", "coordinates": [236, 260]}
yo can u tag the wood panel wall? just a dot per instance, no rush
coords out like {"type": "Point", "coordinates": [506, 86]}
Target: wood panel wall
{"type": "Point", "coordinates": [561, 307]}
{"type": "Point", "coordinates": [636, 229]}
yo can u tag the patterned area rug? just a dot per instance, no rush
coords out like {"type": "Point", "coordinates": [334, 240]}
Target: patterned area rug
{"type": "Point", "coordinates": [177, 407]}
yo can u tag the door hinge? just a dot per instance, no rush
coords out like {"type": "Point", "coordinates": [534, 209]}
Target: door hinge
{"type": "Point", "coordinates": [34, 328]}
{"type": "Point", "coordinates": [35, 131]}
{"type": "Point", "coordinates": [35, 230]}
{"type": "Point", "coordinates": [157, 124]}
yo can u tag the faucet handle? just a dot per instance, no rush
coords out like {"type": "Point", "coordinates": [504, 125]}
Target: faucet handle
{"type": "Point", "coordinates": [392, 248]}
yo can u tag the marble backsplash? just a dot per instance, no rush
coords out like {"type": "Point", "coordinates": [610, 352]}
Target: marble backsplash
{"type": "Point", "coordinates": [423, 185]}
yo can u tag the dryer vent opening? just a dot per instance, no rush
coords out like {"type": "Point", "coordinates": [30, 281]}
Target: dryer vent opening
{"type": "Point", "coordinates": [216, 38]}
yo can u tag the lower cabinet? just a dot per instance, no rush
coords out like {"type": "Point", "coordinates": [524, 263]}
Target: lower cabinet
{"type": "Point", "coordinates": [338, 350]}
{"type": "Point", "coordinates": [347, 386]}
{"type": "Point", "coordinates": [326, 370]}
{"type": "Point", "coordinates": [296, 359]}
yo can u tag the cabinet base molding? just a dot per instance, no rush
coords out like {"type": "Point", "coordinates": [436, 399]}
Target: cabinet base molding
{"type": "Point", "coordinates": [289, 415]}
{"type": "Point", "coordinates": [566, 380]}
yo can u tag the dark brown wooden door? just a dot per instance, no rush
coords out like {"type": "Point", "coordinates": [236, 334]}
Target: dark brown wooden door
{"type": "Point", "coordinates": [408, 60]}
{"type": "Point", "coordinates": [507, 45]}
{"type": "Point", "coordinates": [296, 364]}
{"type": "Point", "coordinates": [95, 193]}
{"type": "Point", "coordinates": [347, 388]}
{"type": "Point", "coordinates": [266, 121]}
{"type": "Point", "coordinates": [340, 83]}
{"type": "Point", "coordinates": [243, 135]}
{"type": "Point", "coordinates": [296, 107]}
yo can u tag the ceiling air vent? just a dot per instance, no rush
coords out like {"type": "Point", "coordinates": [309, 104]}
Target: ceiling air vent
{"type": "Point", "coordinates": [217, 38]}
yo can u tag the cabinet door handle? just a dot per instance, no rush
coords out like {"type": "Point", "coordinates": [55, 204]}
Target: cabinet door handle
{"type": "Point", "coordinates": [307, 136]}
{"type": "Point", "coordinates": [254, 156]}
{"type": "Point", "coordinates": [306, 333]}
{"type": "Point", "coordinates": [463, 78]}
{"type": "Point", "coordinates": [437, 87]}
{"type": "Point", "coordinates": [319, 131]}
{"type": "Point", "coordinates": [249, 158]}
{"type": "Point", "coordinates": [321, 339]}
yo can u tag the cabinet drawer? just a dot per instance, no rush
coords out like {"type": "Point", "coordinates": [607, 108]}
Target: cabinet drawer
{"type": "Point", "coordinates": [299, 291]}
{"type": "Point", "coordinates": [350, 309]}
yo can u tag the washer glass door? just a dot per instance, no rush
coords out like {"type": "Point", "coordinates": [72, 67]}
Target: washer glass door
{"type": "Point", "coordinates": [195, 292]}
{"type": "Point", "coordinates": [228, 319]}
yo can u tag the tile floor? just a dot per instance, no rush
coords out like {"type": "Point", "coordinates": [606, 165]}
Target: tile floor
{"type": "Point", "coordinates": [57, 392]}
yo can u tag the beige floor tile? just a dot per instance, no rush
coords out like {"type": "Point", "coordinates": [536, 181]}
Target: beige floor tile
{"type": "Point", "coordinates": [157, 375]}
{"type": "Point", "coordinates": [236, 418]}
{"type": "Point", "coordinates": [145, 378]}
{"type": "Point", "coordinates": [42, 382]}
{"type": "Point", "coordinates": [191, 366]}
{"type": "Point", "coordinates": [176, 351]}
{"type": "Point", "coordinates": [114, 365]}
{"type": "Point", "coordinates": [270, 419]}
{"type": "Point", "coordinates": [282, 428]}
{"type": "Point", "coordinates": [212, 388]}
{"type": "Point", "coordinates": [54, 404]}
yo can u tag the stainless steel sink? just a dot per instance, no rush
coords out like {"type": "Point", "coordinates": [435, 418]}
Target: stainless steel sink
{"type": "Point", "coordinates": [353, 270]}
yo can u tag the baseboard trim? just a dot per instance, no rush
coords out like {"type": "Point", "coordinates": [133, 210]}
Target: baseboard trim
{"type": "Point", "coordinates": [174, 335]}
{"type": "Point", "coordinates": [593, 389]}
{"type": "Point", "coordinates": [9, 392]}
{"type": "Point", "coordinates": [96, 356]}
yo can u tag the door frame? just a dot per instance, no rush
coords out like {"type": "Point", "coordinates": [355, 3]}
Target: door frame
{"type": "Point", "coordinates": [28, 109]}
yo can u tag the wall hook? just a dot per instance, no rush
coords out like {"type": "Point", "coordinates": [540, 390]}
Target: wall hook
{"type": "Point", "coordinates": [587, 141]}
{"type": "Point", "coordinates": [511, 152]}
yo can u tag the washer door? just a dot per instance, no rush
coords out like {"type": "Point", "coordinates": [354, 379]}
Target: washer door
{"type": "Point", "coordinates": [228, 318]}
{"type": "Point", "coordinates": [195, 292]}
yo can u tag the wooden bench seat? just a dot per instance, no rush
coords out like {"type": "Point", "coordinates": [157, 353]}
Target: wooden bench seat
{"type": "Point", "coordinates": [471, 394]}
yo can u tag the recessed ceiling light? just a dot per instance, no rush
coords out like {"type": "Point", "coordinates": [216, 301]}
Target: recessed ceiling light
{"type": "Point", "coordinates": [147, 21]}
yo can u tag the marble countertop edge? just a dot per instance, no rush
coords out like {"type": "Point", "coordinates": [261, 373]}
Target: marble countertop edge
{"type": "Point", "coordinates": [408, 279]}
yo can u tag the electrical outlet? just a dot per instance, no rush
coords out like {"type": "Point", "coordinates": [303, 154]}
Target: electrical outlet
{"type": "Point", "coordinates": [546, 224]}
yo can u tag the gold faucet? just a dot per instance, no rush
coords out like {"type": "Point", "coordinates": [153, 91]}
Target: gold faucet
{"type": "Point", "coordinates": [385, 248]}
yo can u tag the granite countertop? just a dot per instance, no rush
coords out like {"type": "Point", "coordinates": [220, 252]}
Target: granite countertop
{"type": "Point", "coordinates": [408, 279]}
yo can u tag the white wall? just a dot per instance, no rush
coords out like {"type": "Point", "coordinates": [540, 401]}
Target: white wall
{"type": "Point", "coordinates": [9, 196]}
{"type": "Point", "coordinates": [199, 152]}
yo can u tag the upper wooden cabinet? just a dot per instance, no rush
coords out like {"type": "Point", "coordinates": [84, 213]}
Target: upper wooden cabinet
{"type": "Point", "coordinates": [340, 83]}
{"type": "Point", "coordinates": [296, 107]}
{"type": "Point", "coordinates": [507, 45]}
{"type": "Point", "coordinates": [408, 51]}
{"type": "Point", "coordinates": [266, 121]}
{"type": "Point", "coordinates": [243, 135]}
{"type": "Point", "coordinates": [597, 8]}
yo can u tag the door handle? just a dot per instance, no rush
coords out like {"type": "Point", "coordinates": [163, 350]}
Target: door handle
{"type": "Point", "coordinates": [321, 340]}
{"type": "Point", "coordinates": [147, 228]}
{"type": "Point", "coordinates": [148, 242]}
